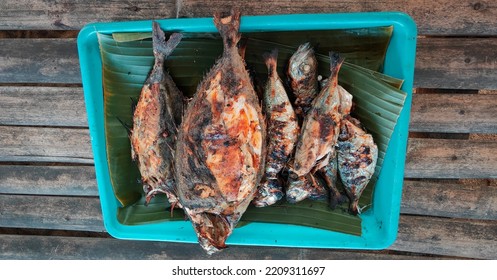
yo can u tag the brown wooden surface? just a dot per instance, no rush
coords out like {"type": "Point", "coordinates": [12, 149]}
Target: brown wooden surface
{"type": "Point", "coordinates": [49, 205]}
{"type": "Point", "coordinates": [445, 17]}
{"type": "Point", "coordinates": [440, 62]}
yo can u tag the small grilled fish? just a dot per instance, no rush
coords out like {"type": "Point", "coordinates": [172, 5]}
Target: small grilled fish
{"type": "Point", "coordinates": [307, 186]}
{"type": "Point", "coordinates": [220, 149]}
{"type": "Point", "coordinates": [357, 156]}
{"type": "Point", "coordinates": [321, 126]}
{"type": "Point", "coordinates": [302, 71]}
{"type": "Point", "coordinates": [154, 122]}
{"type": "Point", "coordinates": [282, 133]}
{"type": "Point", "coordinates": [330, 171]}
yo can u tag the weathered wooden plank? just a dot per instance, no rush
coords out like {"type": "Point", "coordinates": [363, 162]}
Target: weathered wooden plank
{"type": "Point", "coordinates": [48, 180]}
{"type": "Point", "coordinates": [450, 237]}
{"type": "Point", "coordinates": [473, 199]}
{"type": "Point", "coordinates": [44, 144]}
{"type": "Point", "coordinates": [19, 247]}
{"type": "Point", "coordinates": [51, 212]}
{"type": "Point", "coordinates": [39, 61]}
{"type": "Point", "coordinates": [427, 235]}
{"type": "Point", "coordinates": [47, 106]}
{"type": "Point", "coordinates": [454, 113]}
{"type": "Point", "coordinates": [462, 17]}
{"type": "Point", "coordinates": [74, 14]}
{"type": "Point", "coordinates": [476, 199]}
{"type": "Point", "coordinates": [444, 158]}
{"type": "Point", "coordinates": [426, 158]}
{"type": "Point", "coordinates": [64, 106]}
{"type": "Point", "coordinates": [457, 63]}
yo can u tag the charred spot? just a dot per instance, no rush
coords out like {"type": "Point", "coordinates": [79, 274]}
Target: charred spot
{"type": "Point", "coordinates": [326, 126]}
{"type": "Point", "coordinates": [358, 180]}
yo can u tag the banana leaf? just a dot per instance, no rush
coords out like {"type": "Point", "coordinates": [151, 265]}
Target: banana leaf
{"type": "Point", "coordinates": [127, 58]}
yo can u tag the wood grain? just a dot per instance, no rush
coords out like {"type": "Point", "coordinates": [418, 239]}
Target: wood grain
{"type": "Point", "coordinates": [450, 198]}
{"type": "Point", "coordinates": [426, 158]}
{"type": "Point", "coordinates": [458, 63]}
{"type": "Point", "coordinates": [51, 212]}
{"type": "Point", "coordinates": [451, 237]}
{"type": "Point", "coordinates": [64, 106]}
{"type": "Point", "coordinates": [45, 106]}
{"type": "Point", "coordinates": [441, 62]}
{"type": "Point", "coordinates": [48, 180]}
{"type": "Point", "coordinates": [428, 235]}
{"type": "Point", "coordinates": [83, 248]}
{"type": "Point", "coordinates": [445, 17]}
{"type": "Point", "coordinates": [476, 199]}
{"type": "Point", "coordinates": [454, 113]}
{"type": "Point", "coordinates": [451, 158]}
{"type": "Point", "coordinates": [44, 144]}
{"type": "Point", "coordinates": [39, 61]}
{"type": "Point", "coordinates": [74, 14]}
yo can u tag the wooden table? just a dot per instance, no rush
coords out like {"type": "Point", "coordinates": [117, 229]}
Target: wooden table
{"type": "Point", "coordinates": [49, 205]}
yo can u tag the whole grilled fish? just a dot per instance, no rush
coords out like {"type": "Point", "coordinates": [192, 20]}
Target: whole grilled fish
{"type": "Point", "coordinates": [357, 156]}
{"type": "Point", "coordinates": [282, 133]}
{"type": "Point", "coordinates": [321, 126]}
{"type": "Point", "coordinates": [302, 71]}
{"type": "Point", "coordinates": [154, 122]}
{"type": "Point", "coordinates": [330, 171]}
{"type": "Point", "coordinates": [220, 153]}
{"type": "Point", "coordinates": [316, 144]}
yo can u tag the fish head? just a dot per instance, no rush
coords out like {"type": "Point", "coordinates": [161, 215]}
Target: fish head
{"type": "Point", "coordinates": [269, 193]}
{"type": "Point", "coordinates": [303, 63]}
{"type": "Point", "coordinates": [298, 188]}
{"type": "Point", "coordinates": [212, 230]}
{"type": "Point", "coordinates": [350, 128]}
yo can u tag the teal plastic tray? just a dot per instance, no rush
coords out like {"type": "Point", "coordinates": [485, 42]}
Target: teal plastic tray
{"type": "Point", "coordinates": [380, 222]}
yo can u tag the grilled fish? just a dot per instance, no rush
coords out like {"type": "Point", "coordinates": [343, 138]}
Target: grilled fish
{"type": "Point", "coordinates": [357, 156]}
{"type": "Point", "coordinates": [302, 71]}
{"type": "Point", "coordinates": [220, 149]}
{"type": "Point", "coordinates": [330, 171]}
{"type": "Point", "coordinates": [282, 133]}
{"type": "Point", "coordinates": [321, 126]}
{"type": "Point", "coordinates": [154, 122]}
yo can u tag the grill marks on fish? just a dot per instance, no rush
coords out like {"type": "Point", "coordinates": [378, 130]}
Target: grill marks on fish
{"type": "Point", "coordinates": [282, 130]}
{"type": "Point", "coordinates": [357, 156]}
{"type": "Point", "coordinates": [220, 149]}
{"type": "Point", "coordinates": [154, 126]}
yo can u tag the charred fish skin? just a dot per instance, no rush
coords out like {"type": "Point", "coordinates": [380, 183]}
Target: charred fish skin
{"type": "Point", "coordinates": [282, 133]}
{"type": "Point", "coordinates": [357, 157]}
{"type": "Point", "coordinates": [321, 126]}
{"type": "Point", "coordinates": [220, 152]}
{"type": "Point", "coordinates": [302, 72]}
{"type": "Point", "coordinates": [154, 129]}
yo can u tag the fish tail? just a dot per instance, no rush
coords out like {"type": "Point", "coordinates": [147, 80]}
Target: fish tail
{"type": "Point", "coordinates": [228, 28]}
{"type": "Point", "coordinates": [163, 48]}
{"type": "Point", "coordinates": [271, 60]}
{"type": "Point", "coordinates": [335, 63]}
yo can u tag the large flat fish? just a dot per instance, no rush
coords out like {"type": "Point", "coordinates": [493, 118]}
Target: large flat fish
{"type": "Point", "coordinates": [220, 152]}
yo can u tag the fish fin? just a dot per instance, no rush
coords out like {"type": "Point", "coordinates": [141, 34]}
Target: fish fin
{"type": "Point", "coordinates": [335, 63]}
{"type": "Point", "coordinates": [128, 128]}
{"type": "Point", "coordinates": [271, 60]}
{"type": "Point", "coordinates": [134, 102]}
{"type": "Point", "coordinates": [160, 45]}
{"type": "Point", "coordinates": [228, 28]}
{"type": "Point", "coordinates": [242, 46]}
